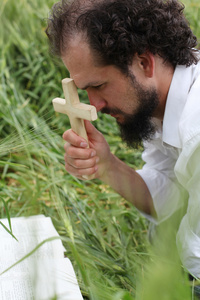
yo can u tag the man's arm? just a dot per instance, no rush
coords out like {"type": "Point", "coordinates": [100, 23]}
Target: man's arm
{"type": "Point", "coordinates": [98, 160]}
{"type": "Point", "coordinates": [129, 184]}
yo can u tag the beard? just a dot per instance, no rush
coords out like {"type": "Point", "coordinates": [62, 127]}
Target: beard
{"type": "Point", "coordinates": [138, 126]}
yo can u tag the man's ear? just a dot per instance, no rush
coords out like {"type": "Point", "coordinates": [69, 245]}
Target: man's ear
{"type": "Point", "coordinates": [146, 63]}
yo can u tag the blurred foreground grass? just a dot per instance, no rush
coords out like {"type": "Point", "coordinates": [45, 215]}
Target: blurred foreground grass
{"type": "Point", "coordinates": [104, 235]}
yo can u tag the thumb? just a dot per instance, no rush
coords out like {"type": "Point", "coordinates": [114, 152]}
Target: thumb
{"type": "Point", "coordinates": [92, 133]}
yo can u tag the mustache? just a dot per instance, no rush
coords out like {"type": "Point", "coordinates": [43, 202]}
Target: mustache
{"type": "Point", "coordinates": [107, 110]}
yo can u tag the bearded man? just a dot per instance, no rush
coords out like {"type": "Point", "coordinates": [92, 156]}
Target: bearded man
{"type": "Point", "coordinates": [136, 60]}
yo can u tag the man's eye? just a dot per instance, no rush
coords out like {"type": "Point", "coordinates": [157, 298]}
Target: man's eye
{"type": "Point", "coordinates": [98, 86]}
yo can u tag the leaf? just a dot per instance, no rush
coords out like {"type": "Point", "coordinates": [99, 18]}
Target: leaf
{"type": "Point", "coordinates": [8, 217]}
{"type": "Point", "coordinates": [30, 253]}
{"type": "Point", "coordinates": [4, 163]}
{"type": "Point", "coordinates": [8, 231]}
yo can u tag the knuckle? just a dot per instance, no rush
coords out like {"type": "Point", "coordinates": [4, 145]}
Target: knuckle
{"type": "Point", "coordinates": [66, 135]}
{"type": "Point", "coordinates": [77, 163]}
{"type": "Point", "coordinates": [89, 153]}
{"type": "Point", "coordinates": [65, 157]}
{"type": "Point", "coordinates": [66, 146]}
{"type": "Point", "coordinates": [80, 172]}
{"type": "Point", "coordinates": [70, 151]}
{"type": "Point", "coordinates": [67, 167]}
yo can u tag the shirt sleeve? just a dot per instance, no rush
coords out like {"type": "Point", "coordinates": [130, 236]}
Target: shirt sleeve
{"type": "Point", "coordinates": [188, 237]}
{"type": "Point", "coordinates": [158, 173]}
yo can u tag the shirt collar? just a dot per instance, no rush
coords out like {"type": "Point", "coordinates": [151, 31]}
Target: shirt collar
{"type": "Point", "coordinates": [175, 103]}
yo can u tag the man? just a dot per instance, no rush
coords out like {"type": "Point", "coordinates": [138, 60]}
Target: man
{"type": "Point", "coordinates": [137, 62]}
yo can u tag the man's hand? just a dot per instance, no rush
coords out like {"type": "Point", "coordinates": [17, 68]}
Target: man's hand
{"type": "Point", "coordinates": [82, 161]}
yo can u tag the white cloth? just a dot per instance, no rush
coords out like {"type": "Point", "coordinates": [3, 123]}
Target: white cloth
{"type": "Point", "coordinates": [172, 169]}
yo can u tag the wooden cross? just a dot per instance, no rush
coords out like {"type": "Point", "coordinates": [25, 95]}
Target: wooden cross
{"type": "Point", "coordinates": [76, 111]}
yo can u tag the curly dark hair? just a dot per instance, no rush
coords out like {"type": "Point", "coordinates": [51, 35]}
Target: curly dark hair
{"type": "Point", "coordinates": [117, 29]}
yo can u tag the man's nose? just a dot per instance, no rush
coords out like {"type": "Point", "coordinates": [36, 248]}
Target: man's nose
{"type": "Point", "coordinates": [96, 99]}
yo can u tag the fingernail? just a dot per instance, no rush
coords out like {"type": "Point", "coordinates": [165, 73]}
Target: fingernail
{"type": "Point", "coordinates": [97, 160]}
{"type": "Point", "coordinates": [83, 144]}
{"type": "Point", "coordinates": [93, 153]}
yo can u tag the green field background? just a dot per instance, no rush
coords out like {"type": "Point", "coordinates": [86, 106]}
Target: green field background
{"type": "Point", "coordinates": [105, 237]}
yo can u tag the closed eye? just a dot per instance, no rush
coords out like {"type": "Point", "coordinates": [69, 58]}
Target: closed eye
{"type": "Point", "coordinates": [98, 86]}
{"type": "Point", "coordinates": [92, 85]}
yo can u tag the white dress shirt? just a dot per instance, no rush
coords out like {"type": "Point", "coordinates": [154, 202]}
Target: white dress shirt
{"type": "Point", "coordinates": [172, 169]}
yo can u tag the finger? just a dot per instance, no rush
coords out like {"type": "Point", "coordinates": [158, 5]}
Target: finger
{"type": "Point", "coordinates": [92, 132]}
{"type": "Point", "coordinates": [89, 127]}
{"type": "Point", "coordinates": [80, 172]}
{"type": "Point", "coordinates": [80, 153]}
{"type": "Point", "coordinates": [85, 177]}
{"type": "Point", "coordinates": [72, 138]}
{"type": "Point", "coordinates": [82, 164]}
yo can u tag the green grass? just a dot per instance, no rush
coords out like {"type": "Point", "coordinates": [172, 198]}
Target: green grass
{"type": "Point", "coordinates": [105, 237]}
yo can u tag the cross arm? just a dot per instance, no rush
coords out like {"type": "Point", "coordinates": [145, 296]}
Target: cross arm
{"type": "Point", "coordinates": [78, 110]}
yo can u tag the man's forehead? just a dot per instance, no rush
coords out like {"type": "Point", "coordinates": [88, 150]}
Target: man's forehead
{"type": "Point", "coordinates": [78, 49]}
{"type": "Point", "coordinates": [75, 40]}
{"type": "Point", "coordinates": [79, 61]}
